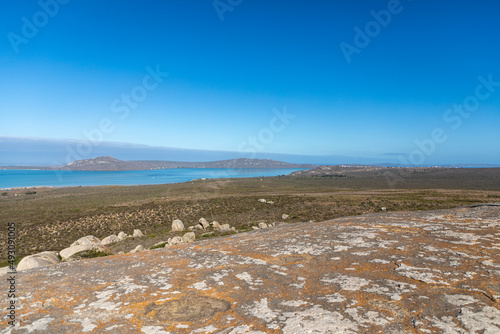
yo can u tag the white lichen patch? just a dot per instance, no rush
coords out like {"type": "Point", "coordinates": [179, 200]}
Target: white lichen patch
{"type": "Point", "coordinates": [350, 283]}
{"type": "Point", "coordinates": [317, 320]}
{"type": "Point", "coordinates": [460, 300]}
{"type": "Point", "coordinates": [205, 330]}
{"type": "Point", "coordinates": [154, 330]}
{"type": "Point", "coordinates": [294, 303]}
{"type": "Point", "coordinates": [380, 261]}
{"type": "Point", "coordinates": [486, 320]}
{"type": "Point", "coordinates": [262, 311]}
{"type": "Point", "coordinates": [38, 325]}
{"type": "Point", "coordinates": [369, 317]}
{"type": "Point", "coordinates": [301, 248]}
{"type": "Point", "coordinates": [420, 274]}
{"type": "Point", "coordinates": [340, 248]}
{"type": "Point", "coordinates": [334, 298]}
{"type": "Point", "coordinates": [393, 289]}
{"type": "Point", "coordinates": [86, 323]}
{"type": "Point", "coordinates": [218, 276]}
{"type": "Point", "coordinates": [200, 286]}
{"type": "Point", "coordinates": [244, 330]}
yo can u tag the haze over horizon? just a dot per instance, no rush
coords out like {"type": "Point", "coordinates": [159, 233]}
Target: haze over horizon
{"type": "Point", "coordinates": [340, 82]}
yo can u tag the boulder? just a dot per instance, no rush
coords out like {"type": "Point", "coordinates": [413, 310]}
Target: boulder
{"type": "Point", "coordinates": [122, 236]}
{"type": "Point", "coordinates": [137, 233]}
{"type": "Point", "coordinates": [225, 227]}
{"type": "Point", "coordinates": [189, 237]}
{"type": "Point", "coordinates": [284, 216]}
{"type": "Point", "coordinates": [204, 223]}
{"type": "Point", "coordinates": [216, 225]}
{"type": "Point", "coordinates": [89, 240]}
{"type": "Point", "coordinates": [175, 241]}
{"type": "Point", "coordinates": [38, 260]}
{"type": "Point", "coordinates": [137, 249]}
{"type": "Point", "coordinates": [109, 240]}
{"type": "Point", "coordinates": [66, 253]}
{"type": "Point", "coordinates": [177, 225]}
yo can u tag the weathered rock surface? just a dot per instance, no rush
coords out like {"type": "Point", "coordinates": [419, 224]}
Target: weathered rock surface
{"type": "Point", "coordinates": [122, 236]}
{"type": "Point", "coordinates": [137, 249]}
{"type": "Point", "coordinates": [38, 260]}
{"type": "Point", "coordinates": [88, 241]}
{"type": "Point", "coordinates": [177, 225]}
{"type": "Point", "coordinates": [137, 233]}
{"type": "Point", "coordinates": [204, 223]}
{"type": "Point", "coordinates": [109, 240]}
{"type": "Point", "coordinates": [409, 272]}
{"type": "Point", "coordinates": [66, 253]}
{"type": "Point", "coordinates": [188, 237]}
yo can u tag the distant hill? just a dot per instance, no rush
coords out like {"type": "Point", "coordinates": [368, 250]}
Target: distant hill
{"type": "Point", "coordinates": [107, 163]}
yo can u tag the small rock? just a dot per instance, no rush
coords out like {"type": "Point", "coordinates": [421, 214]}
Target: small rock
{"type": "Point", "coordinates": [38, 260]}
{"type": "Point", "coordinates": [175, 241]}
{"type": "Point", "coordinates": [262, 200]}
{"type": "Point", "coordinates": [255, 227]}
{"type": "Point", "coordinates": [122, 236]}
{"type": "Point", "coordinates": [120, 253]}
{"type": "Point", "coordinates": [137, 233]}
{"type": "Point", "coordinates": [284, 216]}
{"type": "Point", "coordinates": [177, 225]}
{"type": "Point", "coordinates": [263, 225]}
{"type": "Point", "coordinates": [109, 240]}
{"type": "Point", "coordinates": [89, 240]}
{"type": "Point", "coordinates": [225, 227]}
{"type": "Point", "coordinates": [216, 225]}
{"type": "Point", "coordinates": [137, 249]}
{"type": "Point", "coordinates": [270, 202]}
{"type": "Point", "coordinates": [191, 228]}
{"type": "Point", "coordinates": [383, 208]}
{"type": "Point", "coordinates": [66, 253]}
{"type": "Point", "coordinates": [189, 237]}
{"type": "Point", "coordinates": [204, 223]}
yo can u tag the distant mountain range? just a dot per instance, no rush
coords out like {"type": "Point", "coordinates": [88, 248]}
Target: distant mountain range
{"type": "Point", "coordinates": [107, 163]}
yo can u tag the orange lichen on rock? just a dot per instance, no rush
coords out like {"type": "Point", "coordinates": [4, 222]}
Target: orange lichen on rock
{"type": "Point", "coordinates": [408, 272]}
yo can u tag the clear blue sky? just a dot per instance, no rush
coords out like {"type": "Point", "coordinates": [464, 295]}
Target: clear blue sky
{"type": "Point", "coordinates": [226, 76]}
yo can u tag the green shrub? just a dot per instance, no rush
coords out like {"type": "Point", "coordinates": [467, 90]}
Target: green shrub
{"type": "Point", "coordinates": [158, 246]}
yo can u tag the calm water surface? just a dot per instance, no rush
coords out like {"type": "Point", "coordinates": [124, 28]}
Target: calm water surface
{"type": "Point", "coordinates": [29, 178]}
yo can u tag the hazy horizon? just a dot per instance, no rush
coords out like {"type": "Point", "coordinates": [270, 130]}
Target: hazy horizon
{"type": "Point", "coordinates": [405, 82]}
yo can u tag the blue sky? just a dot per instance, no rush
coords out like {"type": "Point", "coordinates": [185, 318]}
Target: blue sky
{"type": "Point", "coordinates": [231, 69]}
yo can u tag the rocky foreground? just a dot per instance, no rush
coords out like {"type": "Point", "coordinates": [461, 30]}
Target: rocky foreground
{"type": "Point", "coordinates": [410, 272]}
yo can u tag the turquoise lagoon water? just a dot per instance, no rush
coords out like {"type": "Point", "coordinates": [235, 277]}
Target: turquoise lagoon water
{"type": "Point", "coordinates": [14, 178]}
